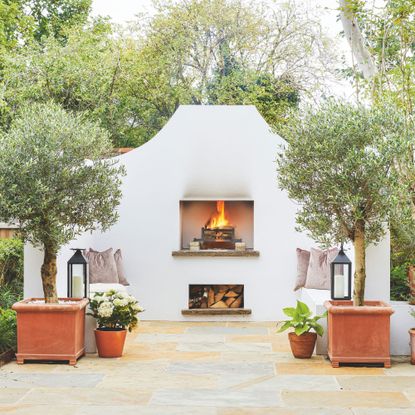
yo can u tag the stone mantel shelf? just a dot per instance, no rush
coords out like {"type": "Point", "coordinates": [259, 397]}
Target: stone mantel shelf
{"type": "Point", "coordinates": [215, 253]}
{"type": "Point", "coordinates": [215, 311]}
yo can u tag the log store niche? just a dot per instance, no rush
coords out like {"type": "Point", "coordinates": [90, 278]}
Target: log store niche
{"type": "Point", "coordinates": [216, 296]}
{"type": "Point", "coordinates": [209, 225]}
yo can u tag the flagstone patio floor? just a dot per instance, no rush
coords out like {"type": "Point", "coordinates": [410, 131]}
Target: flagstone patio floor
{"type": "Point", "coordinates": [206, 368]}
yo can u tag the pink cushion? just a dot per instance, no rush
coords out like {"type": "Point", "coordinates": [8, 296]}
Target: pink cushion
{"type": "Point", "coordinates": [303, 259]}
{"type": "Point", "coordinates": [120, 267]}
{"type": "Point", "coordinates": [102, 267]}
{"type": "Point", "coordinates": [318, 273]}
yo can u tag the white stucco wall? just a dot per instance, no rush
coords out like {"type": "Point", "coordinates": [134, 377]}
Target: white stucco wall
{"type": "Point", "coordinates": [203, 152]}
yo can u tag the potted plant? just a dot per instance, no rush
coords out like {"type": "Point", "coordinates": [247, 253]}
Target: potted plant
{"type": "Point", "coordinates": [115, 312]}
{"type": "Point", "coordinates": [55, 183]}
{"type": "Point", "coordinates": [302, 339]}
{"type": "Point", "coordinates": [341, 165]}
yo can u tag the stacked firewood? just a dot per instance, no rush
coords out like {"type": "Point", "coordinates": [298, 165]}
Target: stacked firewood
{"type": "Point", "coordinates": [216, 296]}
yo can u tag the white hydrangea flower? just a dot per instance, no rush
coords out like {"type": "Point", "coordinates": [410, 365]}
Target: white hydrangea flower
{"type": "Point", "coordinates": [120, 302]}
{"type": "Point", "coordinates": [137, 307]}
{"type": "Point", "coordinates": [105, 309]}
{"type": "Point", "coordinates": [122, 294]}
{"type": "Point", "coordinates": [131, 299]}
{"type": "Point", "coordinates": [99, 298]}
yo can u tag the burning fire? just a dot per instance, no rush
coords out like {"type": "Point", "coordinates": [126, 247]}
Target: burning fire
{"type": "Point", "coordinates": [219, 219]}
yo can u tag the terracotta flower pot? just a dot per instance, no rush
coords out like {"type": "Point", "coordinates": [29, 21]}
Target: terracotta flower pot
{"type": "Point", "coordinates": [110, 343]}
{"type": "Point", "coordinates": [302, 346]}
{"type": "Point", "coordinates": [358, 334]}
{"type": "Point", "coordinates": [50, 331]}
{"type": "Point", "coordinates": [412, 338]}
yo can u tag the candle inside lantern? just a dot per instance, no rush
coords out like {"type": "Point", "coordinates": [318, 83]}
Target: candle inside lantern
{"type": "Point", "coordinates": [339, 286]}
{"type": "Point", "coordinates": [77, 287]}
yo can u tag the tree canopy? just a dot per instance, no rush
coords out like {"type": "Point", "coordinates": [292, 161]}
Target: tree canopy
{"type": "Point", "coordinates": [56, 180]}
{"type": "Point", "coordinates": [342, 164]}
{"type": "Point", "coordinates": [192, 52]}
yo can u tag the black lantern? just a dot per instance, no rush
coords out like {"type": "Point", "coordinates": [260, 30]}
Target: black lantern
{"type": "Point", "coordinates": [341, 277]}
{"type": "Point", "coordinates": [78, 284]}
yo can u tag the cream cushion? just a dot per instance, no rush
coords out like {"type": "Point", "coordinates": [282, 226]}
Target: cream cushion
{"type": "Point", "coordinates": [303, 259]}
{"type": "Point", "coordinates": [102, 267]}
{"type": "Point", "coordinates": [318, 272]}
{"type": "Point", "coordinates": [120, 267]}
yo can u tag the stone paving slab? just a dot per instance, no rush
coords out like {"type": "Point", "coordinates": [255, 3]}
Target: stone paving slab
{"type": "Point", "coordinates": [285, 411]}
{"type": "Point", "coordinates": [206, 368]}
{"type": "Point", "coordinates": [21, 380]}
{"type": "Point", "coordinates": [216, 398]}
{"type": "Point", "coordinates": [352, 399]}
{"type": "Point", "coordinates": [224, 347]}
{"type": "Point", "coordinates": [385, 383]}
{"type": "Point", "coordinates": [233, 330]}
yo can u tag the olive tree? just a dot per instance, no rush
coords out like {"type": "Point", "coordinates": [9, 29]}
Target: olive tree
{"type": "Point", "coordinates": [56, 181]}
{"type": "Point", "coordinates": [342, 164]}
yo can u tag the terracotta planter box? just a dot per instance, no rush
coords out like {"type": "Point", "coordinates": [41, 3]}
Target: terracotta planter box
{"type": "Point", "coordinates": [358, 334]}
{"type": "Point", "coordinates": [50, 331]}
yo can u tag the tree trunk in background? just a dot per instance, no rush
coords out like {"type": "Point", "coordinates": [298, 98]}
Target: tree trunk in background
{"type": "Point", "coordinates": [356, 40]}
{"type": "Point", "coordinates": [48, 272]}
{"type": "Point", "coordinates": [411, 282]}
{"type": "Point", "coordinates": [360, 264]}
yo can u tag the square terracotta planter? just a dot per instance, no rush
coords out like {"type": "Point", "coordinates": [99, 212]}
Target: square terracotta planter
{"type": "Point", "coordinates": [358, 334]}
{"type": "Point", "coordinates": [50, 331]}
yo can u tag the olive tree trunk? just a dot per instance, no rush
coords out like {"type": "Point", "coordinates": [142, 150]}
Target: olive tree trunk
{"type": "Point", "coordinates": [48, 272]}
{"type": "Point", "coordinates": [360, 264]}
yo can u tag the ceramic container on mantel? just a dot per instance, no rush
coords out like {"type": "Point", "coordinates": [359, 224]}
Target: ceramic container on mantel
{"type": "Point", "coordinates": [358, 334]}
{"type": "Point", "coordinates": [50, 331]}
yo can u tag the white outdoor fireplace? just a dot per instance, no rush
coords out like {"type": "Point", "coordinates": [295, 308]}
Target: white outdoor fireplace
{"type": "Point", "coordinates": [171, 192]}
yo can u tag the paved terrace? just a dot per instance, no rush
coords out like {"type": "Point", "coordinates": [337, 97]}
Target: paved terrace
{"type": "Point", "coordinates": [206, 369]}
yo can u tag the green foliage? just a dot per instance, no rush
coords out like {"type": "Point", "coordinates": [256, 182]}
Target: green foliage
{"type": "Point", "coordinates": [342, 165]}
{"type": "Point", "coordinates": [24, 21]}
{"type": "Point", "coordinates": [301, 320]}
{"type": "Point", "coordinates": [7, 330]}
{"type": "Point", "coordinates": [195, 52]}
{"type": "Point", "coordinates": [115, 310]}
{"type": "Point", "coordinates": [11, 260]}
{"type": "Point", "coordinates": [54, 181]}
{"type": "Point", "coordinates": [54, 18]}
{"type": "Point", "coordinates": [399, 289]}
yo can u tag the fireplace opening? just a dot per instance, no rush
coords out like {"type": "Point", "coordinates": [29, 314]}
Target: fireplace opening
{"type": "Point", "coordinates": [222, 296]}
{"type": "Point", "coordinates": [217, 225]}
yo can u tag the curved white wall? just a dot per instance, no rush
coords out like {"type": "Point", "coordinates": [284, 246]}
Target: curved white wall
{"type": "Point", "coordinates": [204, 152]}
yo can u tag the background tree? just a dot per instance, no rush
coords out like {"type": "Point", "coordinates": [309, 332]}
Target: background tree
{"type": "Point", "coordinates": [190, 52]}
{"type": "Point", "coordinates": [341, 164]}
{"type": "Point", "coordinates": [55, 182]}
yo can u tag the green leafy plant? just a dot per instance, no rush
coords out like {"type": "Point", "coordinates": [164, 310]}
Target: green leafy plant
{"type": "Point", "coordinates": [399, 283]}
{"type": "Point", "coordinates": [7, 330]}
{"type": "Point", "coordinates": [115, 310]}
{"type": "Point", "coordinates": [11, 260]}
{"type": "Point", "coordinates": [301, 320]}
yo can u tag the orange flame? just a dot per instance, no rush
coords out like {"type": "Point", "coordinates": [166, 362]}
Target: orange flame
{"type": "Point", "coordinates": [219, 219]}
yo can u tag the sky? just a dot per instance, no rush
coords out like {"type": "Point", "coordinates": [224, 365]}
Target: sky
{"type": "Point", "coordinates": [120, 11]}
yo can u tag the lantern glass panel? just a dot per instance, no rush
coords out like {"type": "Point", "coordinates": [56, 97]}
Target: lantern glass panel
{"type": "Point", "coordinates": [78, 287]}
